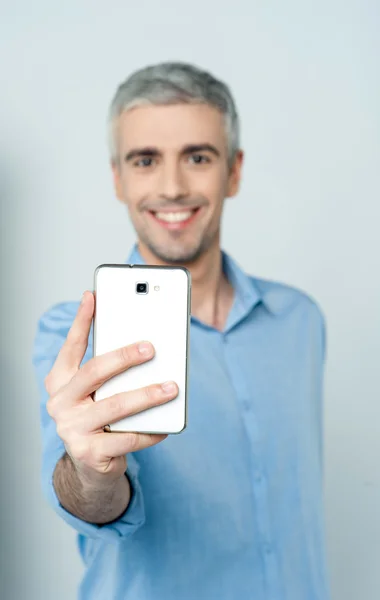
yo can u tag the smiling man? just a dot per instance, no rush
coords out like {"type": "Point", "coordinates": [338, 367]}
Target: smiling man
{"type": "Point", "coordinates": [171, 185]}
{"type": "Point", "coordinates": [233, 506]}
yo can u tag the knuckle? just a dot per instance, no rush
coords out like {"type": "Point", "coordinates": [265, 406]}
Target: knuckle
{"type": "Point", "coordinates": [155, 394]}
{"type": "Point", "coordinates": [94, 452]}
{"type": "Point", "coordinates": [78, 448]}
{"type": "Point", "coordinates": [90, 369]}
{"type": "Point", "coordinates": [60, 430]}
{"type": "Point", "coordinates": [50, 383]}
{"type": "Point", "coordinates": [125, 355]}
{"type": "Point", "coordinates": [63, 429]}
{"type": "Point", "coordinates": [56, 379]}
{"type": "Point", "coordinates": [51, 407]}
{"type": "Point", "coordinates": [133, 441]}
{"type": "Point", "coordinates": [75, 338]}
{"type": "Point", "coordinates": [81, 451]}
{"type": "Point", "coordinates": [149, 393]}
{"type": "Point", "coordinates": [116, 405]}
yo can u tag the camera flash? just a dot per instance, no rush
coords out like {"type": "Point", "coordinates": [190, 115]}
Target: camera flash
{"type": "Point", "coordinates": [156, 288]}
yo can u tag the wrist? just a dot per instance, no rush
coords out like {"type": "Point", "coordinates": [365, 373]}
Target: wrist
{"type": "Point", "coordinates": [89, 478]}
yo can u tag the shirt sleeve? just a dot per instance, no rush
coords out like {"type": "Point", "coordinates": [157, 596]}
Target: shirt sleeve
{"type": "Point", "coordinates": [324, 336]}
{"type": "Point", "coordinates": [320, 340]}
{"type": "Point", "coordinates": [52, 329]}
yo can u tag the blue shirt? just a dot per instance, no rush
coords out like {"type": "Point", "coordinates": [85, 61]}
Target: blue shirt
{"type": "Point", "coordinates": [232, 508]}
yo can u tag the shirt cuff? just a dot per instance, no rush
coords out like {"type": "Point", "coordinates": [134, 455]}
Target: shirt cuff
{"type": "Point", "coordinates": [132, 518]}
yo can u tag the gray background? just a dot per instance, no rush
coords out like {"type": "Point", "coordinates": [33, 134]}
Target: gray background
{"type": "Point", "coordinates": [305, 77]}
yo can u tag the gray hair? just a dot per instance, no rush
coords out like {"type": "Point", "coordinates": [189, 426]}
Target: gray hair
{"type": "Point", "coordinates": [174, 83]}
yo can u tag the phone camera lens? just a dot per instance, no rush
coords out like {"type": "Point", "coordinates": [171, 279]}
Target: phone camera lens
{"type": "Point", "coordinates": [142, 288]}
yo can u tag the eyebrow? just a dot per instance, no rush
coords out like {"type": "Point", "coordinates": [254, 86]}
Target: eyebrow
{"type": "Point", "coordinates": [153, 152]}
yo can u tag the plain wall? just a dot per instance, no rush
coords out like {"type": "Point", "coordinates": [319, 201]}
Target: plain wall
{"type": "Point", "coordinates": [305, 76]}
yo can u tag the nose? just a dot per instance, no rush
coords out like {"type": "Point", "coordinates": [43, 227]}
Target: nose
{"type": "Point", "coordinates": [172, 184]}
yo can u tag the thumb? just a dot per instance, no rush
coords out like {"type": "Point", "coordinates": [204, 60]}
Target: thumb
{"type": "Point", "coordinates": [73, 350]}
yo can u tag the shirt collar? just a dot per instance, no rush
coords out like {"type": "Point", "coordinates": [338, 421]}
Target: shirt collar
{"type": "Point", "coordinates": [277, 298]}
{"type": "Point", "coordinates": [248, 293]}
{"type": "Point", "coordinates": [135, 257]}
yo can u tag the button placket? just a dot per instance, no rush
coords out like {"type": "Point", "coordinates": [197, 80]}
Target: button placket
{"type": "Point", "coordinates": [259, 483]}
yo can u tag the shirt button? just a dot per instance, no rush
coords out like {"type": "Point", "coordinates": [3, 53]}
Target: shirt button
{"type": "Point", "coordinates": [268, 549]}
{"type": "Point", "coordinates": [258, 477]}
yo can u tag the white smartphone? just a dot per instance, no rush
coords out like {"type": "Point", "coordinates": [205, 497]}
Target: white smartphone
{"type": "Point", "coordinates": [140, 302]}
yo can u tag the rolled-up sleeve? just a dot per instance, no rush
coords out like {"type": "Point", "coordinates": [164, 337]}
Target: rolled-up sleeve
{"type": "Point", "coordinates": [52, 330]}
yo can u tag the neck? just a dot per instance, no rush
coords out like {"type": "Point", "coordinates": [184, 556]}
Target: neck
{"type": "Point", "coordinates": [212, 294]}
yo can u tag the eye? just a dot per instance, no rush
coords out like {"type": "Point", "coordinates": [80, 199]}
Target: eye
{"type": "Point", "coordinates": [146, 161]}
{"type": "Point", "coordinates": [199, 159]}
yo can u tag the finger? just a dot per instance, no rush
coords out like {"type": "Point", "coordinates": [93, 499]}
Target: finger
{"type": "Point", "coordinates": [75, 345]}
{"type": "Point", "coordinates": [111, 445]}
{"type": "Point", "coordinates": [101, 368]}
{"type": "Point", "coordinates": [112, 409]}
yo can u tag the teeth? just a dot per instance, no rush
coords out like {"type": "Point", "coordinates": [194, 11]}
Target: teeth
{"type": "Point", "coordinates": [176, 217]}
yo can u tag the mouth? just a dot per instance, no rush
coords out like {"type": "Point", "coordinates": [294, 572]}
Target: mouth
{"type": "Point", "coordinates": [175, 220]}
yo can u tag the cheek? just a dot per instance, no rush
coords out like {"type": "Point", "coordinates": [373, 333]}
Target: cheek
{"type": "Point", "coordinates": [212, 185]}
{"type": "Point", "coordinates": [218, 192]}
{"type": "Point", "coordinates": [135, 188]}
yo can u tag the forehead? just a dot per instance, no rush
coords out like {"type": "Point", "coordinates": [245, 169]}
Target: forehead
{"type": "Point", "coordinates": [171, 126]}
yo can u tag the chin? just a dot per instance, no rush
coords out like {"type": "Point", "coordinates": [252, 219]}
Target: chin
{"type": "Point", "coordinates": [177, 255]}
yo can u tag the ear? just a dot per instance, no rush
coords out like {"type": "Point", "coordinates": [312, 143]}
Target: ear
{"type": "Point", "coordinates": [235, 175]}
{"type": "Point", "coordinates": [115, 167]}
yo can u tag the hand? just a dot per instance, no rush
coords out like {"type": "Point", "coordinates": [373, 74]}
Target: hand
{"type": "Point", "coordinates": [96, 454]}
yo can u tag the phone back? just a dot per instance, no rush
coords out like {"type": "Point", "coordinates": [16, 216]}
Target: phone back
{"type": "Point", "coordinates": [159, 315]}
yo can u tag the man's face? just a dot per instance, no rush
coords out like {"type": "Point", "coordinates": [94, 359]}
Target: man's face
{"type": "Point", "coordinates": [173, 174]}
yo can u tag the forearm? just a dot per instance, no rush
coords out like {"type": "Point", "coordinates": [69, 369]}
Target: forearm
{"type": "Point", "coordinates": [93, 502]}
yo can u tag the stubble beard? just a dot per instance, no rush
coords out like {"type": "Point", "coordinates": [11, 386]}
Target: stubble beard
{"type": "Point", "coordinates": [174, 252]}
{"type": "Point", "coordinates": [177, 255]}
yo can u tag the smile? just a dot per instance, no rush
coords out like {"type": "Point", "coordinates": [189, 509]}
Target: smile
{"type": "Point", "coordinates": [175, 220]}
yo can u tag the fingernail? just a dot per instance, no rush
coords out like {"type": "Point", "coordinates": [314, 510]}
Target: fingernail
{"type": "Point", "coordinates": [168, 387]}
{"type": "Point", "coordinates": [145, 348]}
{"type": "Point", "coordinates": [83, 297]}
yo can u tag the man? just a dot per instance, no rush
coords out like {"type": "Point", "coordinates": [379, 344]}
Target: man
{"type": "Point", "coordinates": [232, 507]}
